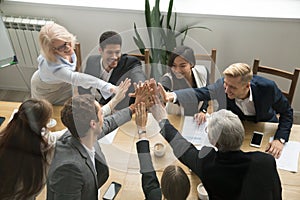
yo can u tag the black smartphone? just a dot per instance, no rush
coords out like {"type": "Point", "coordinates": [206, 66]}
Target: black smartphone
{"type": "Point", "coordinates": [2, 120]}
{"type": "Point", "coordinates": [256, 139]}
{"type": "Point", "coordinates": [112, 191]}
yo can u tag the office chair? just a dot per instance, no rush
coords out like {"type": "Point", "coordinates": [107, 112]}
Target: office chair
{"type": "Point", "coordinates": [212, 58]}
{"type": "Point", "coordinates": [78, 55]}
{"type": "Point", "coordinates": [146, 58]}
{"type": "Point", "coordinates": [281, 73]}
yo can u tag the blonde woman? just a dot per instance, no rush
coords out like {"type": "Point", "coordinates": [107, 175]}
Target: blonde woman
{"type": "Point", "coordinates": [56, 70]}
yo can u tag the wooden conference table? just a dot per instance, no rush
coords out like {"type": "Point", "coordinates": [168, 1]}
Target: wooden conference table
{"type": "Point", "coordinates": [123, 162]}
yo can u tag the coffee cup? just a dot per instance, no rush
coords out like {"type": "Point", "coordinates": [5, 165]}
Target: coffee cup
{"type": "Point", "coordinates": [202, 194]}
{"type": "Point", "coordinates": [159, 149]}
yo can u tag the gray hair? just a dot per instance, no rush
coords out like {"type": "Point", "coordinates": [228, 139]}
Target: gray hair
{"type": "Point", "coordinates": [225, 131]}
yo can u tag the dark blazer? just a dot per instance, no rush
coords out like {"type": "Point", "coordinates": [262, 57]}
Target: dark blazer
{"type": "Point", "coordinates": [128, 67]}
{"type": "Point", "coordinates": [72, 174]}
{"type": "Point", "coordinates": [150, 184]}
{"type": "Point", "coordinates": [234, 175]}
{"type": "Point", "coordinates": [267, 97]}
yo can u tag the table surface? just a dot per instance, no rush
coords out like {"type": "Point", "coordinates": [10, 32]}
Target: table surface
{"type": "Point", "coordinates": [123, 162]}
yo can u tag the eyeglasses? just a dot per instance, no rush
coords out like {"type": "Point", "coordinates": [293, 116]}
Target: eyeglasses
{"type": "Point", "coordinates": [62, 47]}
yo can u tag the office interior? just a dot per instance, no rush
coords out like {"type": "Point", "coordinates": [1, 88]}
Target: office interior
{"type": "Point", "coordinates": [240, 31]}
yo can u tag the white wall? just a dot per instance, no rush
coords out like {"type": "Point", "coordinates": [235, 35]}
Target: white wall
{"type": "Point", "coordinates": [237, 39]}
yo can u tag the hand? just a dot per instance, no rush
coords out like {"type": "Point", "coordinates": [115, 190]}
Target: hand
{"type": "Point", "coordinates": [166, 96]}
{"type": "Point", "coordinates": [275, 148]}
{"type": "Point", "coordinates": [200, 117]}
{"type": "Point", "coordinates": [141, 116]}
{"type": "Point", "coordinates": [120, 93]}
{"type": "Point", "coordinates": [143, 94]}
{"type": "Point", "coordinates": [158, 111]}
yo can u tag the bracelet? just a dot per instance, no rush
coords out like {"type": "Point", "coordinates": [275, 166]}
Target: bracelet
{"type": "Point", "coordinates": [141, 131]}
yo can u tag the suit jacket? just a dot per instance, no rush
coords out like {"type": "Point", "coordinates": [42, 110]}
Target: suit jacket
{"type": "Point", "coordinates": [72, 174]}
{"type": "Point", "coordinates": [128, 67]}
{"type": "Point", "coordinates": [234, 175]}
{"type": "Point", "coordinates": [150, 184]}
{"type": "Point", "coordinates": [267, 97]}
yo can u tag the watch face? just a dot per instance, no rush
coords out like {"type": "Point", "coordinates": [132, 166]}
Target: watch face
{"type": "Point", "coordinates": [282, 140]}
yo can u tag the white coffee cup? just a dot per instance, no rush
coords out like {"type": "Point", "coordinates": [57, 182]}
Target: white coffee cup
{"type": "Point", "coordinates": [202, 194]}
{"type": "Point", "coordinates": [159, 149]}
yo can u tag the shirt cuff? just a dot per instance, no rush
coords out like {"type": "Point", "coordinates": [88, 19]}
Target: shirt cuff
{"type": "Point", "coordinates": [175, 97]}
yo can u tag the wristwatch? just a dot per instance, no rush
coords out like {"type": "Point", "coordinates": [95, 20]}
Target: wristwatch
{"type": "Point", "coordinates": [282, 140]}
{"type": "Point", "coordinates": [140, 131]}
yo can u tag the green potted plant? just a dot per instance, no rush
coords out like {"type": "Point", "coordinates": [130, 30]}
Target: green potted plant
{"type": "Point", "coordinates": [162, 36]}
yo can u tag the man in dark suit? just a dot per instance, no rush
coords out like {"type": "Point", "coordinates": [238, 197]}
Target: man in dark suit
{"type": "Point", "coordinates": [79, 168]}
{"type": "Point", "coordinates": [113, 66]}
{"type": "Point", "coordinates": [250, 97]}
{"type": "Point", "coordinates": [228, 173]}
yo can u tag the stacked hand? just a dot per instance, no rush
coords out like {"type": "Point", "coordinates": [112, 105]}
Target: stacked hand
{"type": "Point", "coordinates": [143, 93]}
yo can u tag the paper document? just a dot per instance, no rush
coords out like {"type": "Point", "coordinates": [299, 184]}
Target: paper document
{"type": "Point", "coordinates": [289, 157]}
{"type": "Point", "coordinates": [109, 138]}
{"type": "Point", "coordinates": [194, 133]}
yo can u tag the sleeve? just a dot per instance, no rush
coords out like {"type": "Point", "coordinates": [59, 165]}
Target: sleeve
{"type": "Point", "coordinates": [205, 103]}
{"type": "Point", "coordinates": [66, 183]}
{"type": "Point", "coordinates": [84, 80]}
{"type": "Point", "coordinates": [166, 82]}
{"type": "Point", "coordinates": [185, 151]}
{"type": "Point", "coordinates": [106, 110]}
{"type": "Point", "coordinates": [282, 106]}
{"type": "Point", "coordinates": [115, 120]}
{"type": "Point", "coordinates": [150, 182]}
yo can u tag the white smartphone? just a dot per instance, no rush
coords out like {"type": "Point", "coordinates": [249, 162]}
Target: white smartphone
{"type": "Point", "coordinates": [256, 139]}
{"type": "Point", "coordinates": [112, 191]}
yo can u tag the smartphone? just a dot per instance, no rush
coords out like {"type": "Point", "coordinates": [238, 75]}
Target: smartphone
{"type": "Point", "coordinates": [2, 120]}
{"type": "Point", "coordinates": [112, 191]}
{"type": "Point", "coordinates": [256, 139]}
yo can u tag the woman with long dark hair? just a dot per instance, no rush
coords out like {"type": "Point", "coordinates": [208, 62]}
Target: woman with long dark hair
{"type": "Point", "coordinates": [25, 152]}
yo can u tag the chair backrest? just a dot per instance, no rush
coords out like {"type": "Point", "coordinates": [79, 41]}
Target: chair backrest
{"type": "Point", "coordinates": [78, 55]}
{"type": "Point", "coordinates": [146, 58]}
{"type": "Point", "coordinates": [281, 73]}
{"type": "Point", "coordinates": [212, 58]}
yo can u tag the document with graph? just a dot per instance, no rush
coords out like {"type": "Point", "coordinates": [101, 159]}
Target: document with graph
{"type": "Point", "coordinates": [195, 133]}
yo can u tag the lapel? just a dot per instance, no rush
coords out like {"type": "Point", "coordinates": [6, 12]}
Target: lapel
{"type": "Point", "coordinates": [82, 151]}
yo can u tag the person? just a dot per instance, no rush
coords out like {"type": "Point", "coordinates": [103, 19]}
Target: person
{"type": "Point", "coordinates": [113, 66]}
{"type": "Point", "coordinates": [79, 167]}
{"type": "Point", "coordinates": [56, 70]}
{"type": "Point", "coordinates": [228, 172]}
{"type": "Point", "coordinates": [251, 97]}
{"type": "Point", "coordinates": [25, 152]}
{"type": "Point", "coordinates": [175, 184]}
{"type": "Point", "coordinates": [184, 73]}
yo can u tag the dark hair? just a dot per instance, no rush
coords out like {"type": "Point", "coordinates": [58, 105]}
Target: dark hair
{"type": "Point", "coordinates": [183, 51]}
{"type": "Point", "coordinates": [109, 37]}
{"type": "Point", "coordinates": [24, 151]}
{"type": "Point", "coordinates": [175, 184]}
{"type": "Point", "coordinates": [77, 114]}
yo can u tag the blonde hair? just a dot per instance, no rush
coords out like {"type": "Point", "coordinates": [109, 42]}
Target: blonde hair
{"type": "Point", "coordinates": [48, 34]}
{"type": "Point", "coordinates": [239, 69]}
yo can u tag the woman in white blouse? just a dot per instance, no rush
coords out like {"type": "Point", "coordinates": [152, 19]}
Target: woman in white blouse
{"type": "Point", "coordinates": [56, 70]}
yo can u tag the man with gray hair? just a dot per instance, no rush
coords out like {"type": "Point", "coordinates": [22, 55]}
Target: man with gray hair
{"type": "Point", "coordinates": [226, 173]}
